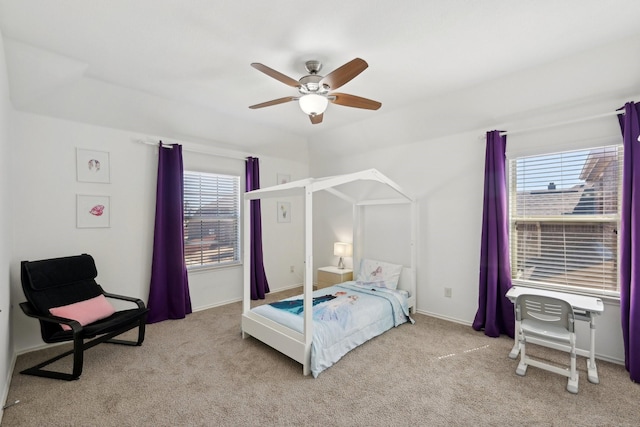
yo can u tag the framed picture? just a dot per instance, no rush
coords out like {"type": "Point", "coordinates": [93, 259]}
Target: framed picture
{"type": "Point", "coordinates": [93, 211]}
{"type": "Point", "coordinates": [283, 178]}
{"type": "Point", "coordinates": [92, 165]}
{"type": "Point", "coordinates": [284, 212]}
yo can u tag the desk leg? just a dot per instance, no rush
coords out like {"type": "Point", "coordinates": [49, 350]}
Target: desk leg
{"type": "Point", "coordinates": [592, 369]}
{"type": "Point", "coordinates": [513, 354]}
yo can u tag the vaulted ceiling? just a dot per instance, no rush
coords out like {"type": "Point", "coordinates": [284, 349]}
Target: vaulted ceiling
{"type": "Point", "coordinates": [182, 68]}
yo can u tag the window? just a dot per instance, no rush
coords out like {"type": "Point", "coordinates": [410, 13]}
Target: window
{"type": "Point", "coordinates": [211, 219]}
{"type": "Point", "coordinates": [564, 217]}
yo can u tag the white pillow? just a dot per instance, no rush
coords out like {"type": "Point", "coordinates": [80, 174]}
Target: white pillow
{"type": "Point", "coordinates": [378, 273]}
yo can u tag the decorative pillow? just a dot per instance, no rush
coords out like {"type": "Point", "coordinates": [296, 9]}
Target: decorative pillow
{"type": "Point", "coordinates": [379, 274]}
{"type": "Point", "coordinates": [85, 312]}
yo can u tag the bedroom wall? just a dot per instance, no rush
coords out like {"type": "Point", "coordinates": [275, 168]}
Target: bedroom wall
{"type": "Point", "coordinates": [6, 347]}
{"type": "Point", "coordinates": [449, 195]}
{"type": "Point", "coordinates": [445, 171]}
{"type": "Point", "coordinates": [44, 200]}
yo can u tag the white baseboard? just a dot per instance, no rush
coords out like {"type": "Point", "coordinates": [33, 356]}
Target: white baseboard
{"type": "Point", "coordinates": [439, 316]}
{"type": "Point", "coordinates": [40, 347]}
{"type": "Point", "coordinates": [218, 304]}
{"type": "Point", "coordinates": [609, 359]}
{"type": "Point", "coordinates": [5, 393]}
{"type": "Point", "coordinates": [602, 357]}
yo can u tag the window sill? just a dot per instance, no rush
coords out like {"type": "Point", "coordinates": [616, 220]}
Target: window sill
{"type": "Point", "coordinates": [209, 268]}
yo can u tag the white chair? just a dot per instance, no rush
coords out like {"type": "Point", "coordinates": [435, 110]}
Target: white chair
{"type": "Point", "coordinates": [548, 322]}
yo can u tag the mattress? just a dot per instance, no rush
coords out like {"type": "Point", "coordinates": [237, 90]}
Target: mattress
{"type": "Point", "coordinates": [344, 316]}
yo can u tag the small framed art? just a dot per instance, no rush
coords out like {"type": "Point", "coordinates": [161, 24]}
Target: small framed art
{"type": "Point", "coordinates": [283, 178]}
{"type": "Point", "coordinates": [92, 165]}
{"type": "Point", "coordinates": [284, 212]}
{"type": "Point", "coordinates": [93, 211]}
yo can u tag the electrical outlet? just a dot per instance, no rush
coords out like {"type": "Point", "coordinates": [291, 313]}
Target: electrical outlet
{"type": "Point", "coordinates": [447, 292]}
{"type": "Point", "coordinates": [291, 269]}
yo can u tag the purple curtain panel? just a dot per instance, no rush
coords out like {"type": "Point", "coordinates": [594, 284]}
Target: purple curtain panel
{"type": "Point", "coordinates": [169, 288]}
{"type": "Point", "coordinates": [630, 240]}
{"type": "Point", "coordinates": [259, 283]}
{"type": "Point", "coordinates": [495, 312]}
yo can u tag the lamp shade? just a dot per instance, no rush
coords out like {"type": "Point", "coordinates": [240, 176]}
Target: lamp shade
{"type": "Point", "coordinates": [313, 104]}
{"type": "Point", "coordinates": [342, 249]}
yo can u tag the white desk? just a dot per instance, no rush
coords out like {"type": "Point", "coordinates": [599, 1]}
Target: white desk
{"type": "Point", "coordinates": [584, 308]}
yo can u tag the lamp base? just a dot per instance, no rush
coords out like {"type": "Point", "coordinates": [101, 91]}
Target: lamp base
{"type": "Point", "coordinates": [341, 264]}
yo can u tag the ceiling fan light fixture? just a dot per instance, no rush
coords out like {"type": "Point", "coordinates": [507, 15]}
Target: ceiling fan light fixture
{"type": "Point", "coordinates": [313, 104]}
{"type": "Point", "coordinates": [316, 91]}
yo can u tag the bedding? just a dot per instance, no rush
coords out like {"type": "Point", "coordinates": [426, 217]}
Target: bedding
{"type": "Point", "coordinates": [344, 316]}
{"type": "Point", "coordinates": [378, 274]}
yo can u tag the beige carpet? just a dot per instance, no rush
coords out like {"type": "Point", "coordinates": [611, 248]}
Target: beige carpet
{"type": "Point", "coordinates": [200, 372]}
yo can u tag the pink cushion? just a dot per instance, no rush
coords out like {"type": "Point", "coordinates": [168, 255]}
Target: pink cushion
{"type": "Point", "coordinates": [85, 312]}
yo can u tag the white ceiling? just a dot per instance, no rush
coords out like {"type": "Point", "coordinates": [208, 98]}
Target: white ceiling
{"type": "Point", "coordinates": [183, 67]}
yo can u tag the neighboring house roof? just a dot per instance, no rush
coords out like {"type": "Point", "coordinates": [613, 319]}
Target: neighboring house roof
{"type": "Point", "coordinates": [597, 163]}
{"type": "Point", "coordinates": [587, 258]}
{"type": "Point", "coordinates": [574, 200]}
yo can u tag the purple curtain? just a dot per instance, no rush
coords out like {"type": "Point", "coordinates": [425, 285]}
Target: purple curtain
{"type": "Point", "coordinates": [495, 311]}
{"type": "Point", "coordinates": [259, 284]}
{"type": "Point", "coordinates": [169, 288]}
{"type": "Point", "coordinates": [630, 241]}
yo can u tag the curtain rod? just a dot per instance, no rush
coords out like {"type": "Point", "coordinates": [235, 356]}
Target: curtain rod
{"type": "Point", "coordinates": [568, 122]}
{"type": "Point", "coordinates": [155, 142]}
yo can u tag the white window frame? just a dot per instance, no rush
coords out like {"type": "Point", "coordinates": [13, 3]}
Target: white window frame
{"type": "Point", "coordinates": [215, 240]}
{"type": "Point", "coordinates": [566, 281]}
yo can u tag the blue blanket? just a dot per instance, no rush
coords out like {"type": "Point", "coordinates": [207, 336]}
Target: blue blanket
{"type": "Point", "coordinates": [344, 316]}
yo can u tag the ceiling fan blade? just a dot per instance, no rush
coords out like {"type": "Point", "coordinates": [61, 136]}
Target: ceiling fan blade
{"type": "Point", "coordinates": [274, 102]}
{"type": "Point", "coordinates": [354, 101]}
{"type": "Point", "coordinates": [276, 74]}
{"type": "Point", "coordinates": [344, 74]}
{"type": "Point", "coordinates": [315, 119]}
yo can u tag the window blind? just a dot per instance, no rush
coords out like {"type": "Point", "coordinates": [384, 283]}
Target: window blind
{"type": "Point", "coordinates": [564, 217]}
{"type": "Point", "coordinates": [211, 219]}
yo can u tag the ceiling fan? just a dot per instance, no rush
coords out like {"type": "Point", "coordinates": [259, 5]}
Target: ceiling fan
{"type": "Point", "coordinates": [315, 89]}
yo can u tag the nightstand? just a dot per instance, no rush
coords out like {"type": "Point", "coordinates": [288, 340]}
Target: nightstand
{"type": "Point", "coordinates": [328, 276]}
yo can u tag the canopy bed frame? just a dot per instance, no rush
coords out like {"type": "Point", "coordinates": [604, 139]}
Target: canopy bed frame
{"type": "Point", "coordinates": [292, 343]}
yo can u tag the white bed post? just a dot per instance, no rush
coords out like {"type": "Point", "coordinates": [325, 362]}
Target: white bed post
{"type": "Point", "coordinates": [308, 279]}
{"type": "Point", "coordinates": [414, 253]}
{"type": "Point", "coordinates": [246, 247]}
{"type": "Point", "coordinates": [357, 243]}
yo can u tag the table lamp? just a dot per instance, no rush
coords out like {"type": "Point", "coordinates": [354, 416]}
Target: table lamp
{"type": "Point", "coordinates": [342, 250]}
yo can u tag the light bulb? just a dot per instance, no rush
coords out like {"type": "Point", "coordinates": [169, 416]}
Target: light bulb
{"type": "Point", "coordinates": [313, 104]}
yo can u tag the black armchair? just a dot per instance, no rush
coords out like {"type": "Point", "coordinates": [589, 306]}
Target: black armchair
{"type": "Point", "coordinates": [60, 283]}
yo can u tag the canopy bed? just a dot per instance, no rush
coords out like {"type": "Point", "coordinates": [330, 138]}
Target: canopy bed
{"type": "Point", "coordinates": [291, 330]}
